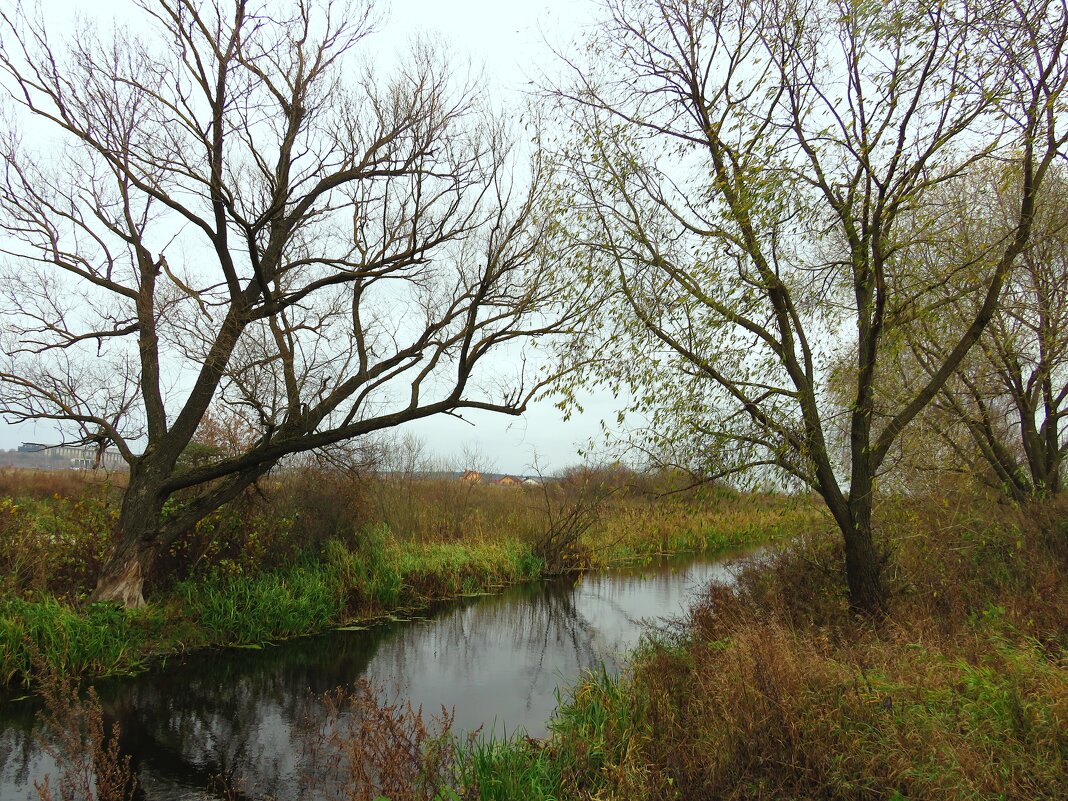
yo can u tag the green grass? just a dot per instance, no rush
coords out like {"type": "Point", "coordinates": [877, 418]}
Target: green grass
{"type": "Point", "coordinates": [510, 768]}
{"type": "Point", "coordinates": [592, 738]}
{"type": "Point", "coordinates": [343, 584]}
{"type": "Point", "coordinates": [98, 639]}
{"type": "Point", "coordinates": [257, 608]}
{"type": "Point", "coordinates": [968, 730]}
{"type": "Point", "coordinates": [919, 727]}
{"type": "Point", "coordinates": [242, 597]}
{"type": "Point", "coordinates": [770, 691]}
{"type": "Point", "coordinates": [639, 531]}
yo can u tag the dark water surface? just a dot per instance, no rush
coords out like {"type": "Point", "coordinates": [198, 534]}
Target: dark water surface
{"type": "Point", "coordinates": [495, 659]}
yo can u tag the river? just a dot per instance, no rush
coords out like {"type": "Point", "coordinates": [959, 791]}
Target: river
{"type": "Point", "coordinates": [496, 660]}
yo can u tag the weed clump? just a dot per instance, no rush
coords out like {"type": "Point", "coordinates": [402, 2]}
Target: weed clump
{"type": "Point", "coordinates": [86, 750]}
{"type": "Point", "coordinates": [363, 748]}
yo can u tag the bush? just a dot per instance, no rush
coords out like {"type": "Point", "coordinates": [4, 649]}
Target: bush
{"type": "Point", "coordinates": [55, 546]}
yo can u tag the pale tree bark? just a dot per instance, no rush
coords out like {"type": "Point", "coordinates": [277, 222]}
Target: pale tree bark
{"type": "Point", "coordinates": [742, 172]}
{"type": "Point", "coordinates": [228, 210]}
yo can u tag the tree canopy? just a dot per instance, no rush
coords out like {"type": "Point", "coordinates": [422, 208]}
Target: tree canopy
{"type": "Point", "coordinates": [228, 208]}
{"type": "Point", "coordinates": [744, 177]}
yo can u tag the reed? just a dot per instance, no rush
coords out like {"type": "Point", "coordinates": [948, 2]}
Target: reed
{"type": "Point", "coordinates": [312, 550]}
{"type": "Point", "coordinates": [775, 691]}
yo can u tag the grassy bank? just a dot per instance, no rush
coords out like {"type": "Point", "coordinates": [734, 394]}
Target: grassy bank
{"type": "Point", "coordinates": [767, 690]}
{"type": "Point", "coordinates": [312, 553]}
{"type": "Point", "coordinates": [774, 692]}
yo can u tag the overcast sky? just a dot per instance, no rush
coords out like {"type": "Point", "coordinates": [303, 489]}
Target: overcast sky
{"type": "Point", "coordinates": [508, 40]}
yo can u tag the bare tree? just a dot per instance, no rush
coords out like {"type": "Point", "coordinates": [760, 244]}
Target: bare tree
{"type": "Point", "coordinates": [569, 505]}
{"type": "Point", "coordinates": [232, 209]}
{"type": "Point", "coordinates": [743, 175]}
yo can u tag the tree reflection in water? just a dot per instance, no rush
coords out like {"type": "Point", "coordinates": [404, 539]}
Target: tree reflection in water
{"type": "Point", "coordinates": [496, 660]}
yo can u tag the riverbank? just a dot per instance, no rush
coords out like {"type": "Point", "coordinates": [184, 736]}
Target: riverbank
{"type": "Point", "coordinates": [257, 574]}
{"type": "Point", "coordinates": [772, 690]}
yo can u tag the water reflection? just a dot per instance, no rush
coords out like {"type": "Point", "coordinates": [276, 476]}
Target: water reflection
{"type": "Point", "coordinates": [496, 660]}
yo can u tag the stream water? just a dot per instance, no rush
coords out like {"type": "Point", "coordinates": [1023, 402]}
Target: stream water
{"type": "Point", "coordinates": [496, 660]}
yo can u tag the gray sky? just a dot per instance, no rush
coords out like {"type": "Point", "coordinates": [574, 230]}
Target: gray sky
{"type": "Point", "coordinates": [508, 40]}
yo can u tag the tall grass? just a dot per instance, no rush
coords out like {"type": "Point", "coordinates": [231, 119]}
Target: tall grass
{"type": "Point", "coordinates": [344, 584]}
{"type": "Point", "coordinates": [96, 640]}
{"type": "Point", "coordinates": [510, 768]}
{"type": "Point", "coordinates": [775, 691]}
{"type": "Point", "coordinates": [20, 482]}
{"type": "Point", "coordinates": [311, 550]}
{"type": "Point", "coordinates": [273, 605]}
{"type": "Point", "coordinates": [56, 542]}
{"type": "Point", "coordinates": [365, 748]}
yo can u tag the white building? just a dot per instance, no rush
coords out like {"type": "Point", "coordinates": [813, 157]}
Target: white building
{"type": "Point", "coordinates": [81, 457]}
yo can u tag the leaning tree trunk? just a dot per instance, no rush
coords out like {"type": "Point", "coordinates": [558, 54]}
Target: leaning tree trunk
{"type": "Point", "coordinates": [136, 542]}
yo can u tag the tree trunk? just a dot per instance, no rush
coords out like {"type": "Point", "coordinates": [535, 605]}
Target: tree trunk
{"type": "Point", "coordinates": [122, 578]}
{"type": "Point", "coordinates": [862, 561]}
{"type": "Point", "coordinates": [136, 543]}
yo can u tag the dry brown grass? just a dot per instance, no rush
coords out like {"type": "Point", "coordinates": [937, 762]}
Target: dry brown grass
{"type": "Point", "coordinates": [962, 693]}
{"type": "Point", "coordinates": [778, 714]}
{"type": "Point", "coordinates": [21, 482]}
{"type": "Point", "coordinates": [363, 748]}
{"type": "Point", "coordinates": [86, 750]}
{"type": "Point", "coordinates": [56, 529]}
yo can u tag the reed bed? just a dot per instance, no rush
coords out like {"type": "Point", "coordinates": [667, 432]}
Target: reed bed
{"type": "Point", "coordinates": [311, 550]}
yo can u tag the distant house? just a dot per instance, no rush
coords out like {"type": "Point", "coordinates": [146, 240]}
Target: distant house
{"type": "Point", "coordinates": [76, 457]}
{"type": "Point", "coordinates": [509, 481]}
{"type": "Point", "coordinates": [532, 482]}
{"type": "Point", "coordinates": [473, 476]}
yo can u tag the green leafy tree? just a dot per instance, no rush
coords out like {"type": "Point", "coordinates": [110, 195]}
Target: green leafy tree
{"type": "Point", "coordinates": [1001, 416]}
{"type": "Point", "coordinates": [742, 181]}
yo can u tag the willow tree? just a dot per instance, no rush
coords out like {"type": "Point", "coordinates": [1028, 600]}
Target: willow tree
{"type": "Point", "coordinates": [1001, 416]}
{"type": "Point", "coordinates": [743, 177]}
{"type": "Point", "coordinates": [227, 204]}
